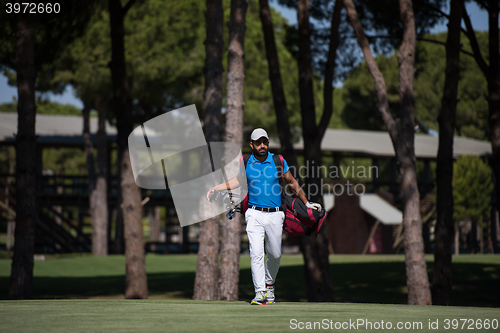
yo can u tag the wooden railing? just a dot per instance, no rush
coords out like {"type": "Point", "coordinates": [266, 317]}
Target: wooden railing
{"type": "Point", "coordinates": [48, 232]}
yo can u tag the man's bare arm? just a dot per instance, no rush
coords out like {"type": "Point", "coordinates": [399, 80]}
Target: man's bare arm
{"type": "Point", "coordinates": [295, 186]}
{"type": "Point", "coordinates": [229, 185]}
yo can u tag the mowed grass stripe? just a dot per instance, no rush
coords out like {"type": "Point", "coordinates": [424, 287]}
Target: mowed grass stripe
{"type": "Point", "coordinates": [202, 316]}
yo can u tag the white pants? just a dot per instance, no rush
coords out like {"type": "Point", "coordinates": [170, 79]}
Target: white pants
{"type": "Point", "coordinates": [264, 231]}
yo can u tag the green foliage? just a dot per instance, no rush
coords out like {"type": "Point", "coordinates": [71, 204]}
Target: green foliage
{"type": "Point", "coordinates": [165, 54]}
{"type": "Point", "coordinates": [472, 188]}
{"type": "Point", "coordinates": [45, 107]}
{"type": "Point", "coordinates": [259, 111]}
{"type": "Point", "coordinates": [360, 99]}
{"type": "Point", "coordinates": [361, 104]}
{"type": "Point", "coordinates": [84, 63]}
{"type": "Point", "coordinates": [165, 51]}
{"type": "Point", "coordinates": [472, 107]}
{"type": "Point", "coordinates": [338, 106]}
{"type": "Point", "coordinates": [53, 32]}
{"type": "Point", "coordinates": [375, 21]}
{"type": "Point", "coordinates": [7, 156]}
{"type": "Point", "coordinates": [8, 107]}
{"type": "Point", "coordinates": [65, 161]}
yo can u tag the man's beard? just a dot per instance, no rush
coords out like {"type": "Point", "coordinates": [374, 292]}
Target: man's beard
{"type": "Point", "coordinates": [259, 153]}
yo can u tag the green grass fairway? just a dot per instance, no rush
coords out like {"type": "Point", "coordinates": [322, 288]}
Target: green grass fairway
{"type": "Point", "coordinates": [195, 316]}
{"type": "Point", "coordinates": [355, 279]}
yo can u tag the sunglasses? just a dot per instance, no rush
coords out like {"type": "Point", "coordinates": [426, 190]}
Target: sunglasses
{"type": "Point", "coordinates": [259, 142]}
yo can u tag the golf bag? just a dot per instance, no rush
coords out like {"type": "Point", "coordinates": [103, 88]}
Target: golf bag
{"type": "Point", "coordinates": [299, 220]}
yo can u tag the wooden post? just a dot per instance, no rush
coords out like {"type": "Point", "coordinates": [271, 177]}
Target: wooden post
{"type": "Point", "coordinates": [372, 233]}
{"type": "Point", "coordinates": [167, 220]}
{"type": "Point", "coordinates": [39, 167]}
{"type": "Point", "coordinates": [11, 216]}
{"type": "Point", "coordinates": [394, 177]}
{"type": "Point", "coordinates": [494, 226]}
{"type": "Point", "coordinates": [336, 164]}
{"type": "Point", "coordinates": [80, 222]}
{"type": "Point", "coordinates": [11, 227]}
{"type": "Point", "coordinates": [185, 239]}
{"type": "Point", "coordinates": [399, 237]}
{"type": "Point", "coordinates": [375, 163]}
{"type": "Point", "coordinates": [427, 177]}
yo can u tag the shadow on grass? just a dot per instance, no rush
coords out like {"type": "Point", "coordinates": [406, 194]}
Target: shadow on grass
{"type": "Point", "coordinates": [383, 282]}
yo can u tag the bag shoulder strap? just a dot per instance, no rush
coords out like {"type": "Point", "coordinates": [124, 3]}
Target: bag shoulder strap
{"type": "Point", "coordinates": [244, 160]}
{"type": "Point", "coordinates": [278, 160]}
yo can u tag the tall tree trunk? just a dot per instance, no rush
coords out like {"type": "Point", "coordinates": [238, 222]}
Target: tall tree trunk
{"type": "Point", "coordinates": [206, 284]}
{"type": "Point", "coordinates": [480, 233]}
{"type": "Point", "coordinates": [494, 227]}
{"type": "Point", "coordinates": [97, 183]}
{"type": "Point", "coordinates": [21, 276]}
{"type": "Point", "coordinates": [154, 224]}
{"type": "Point", "coordinates": [136, 285]}
{"type": "Point", "coordinates": [315, 250]}
{"type": "Point", "coordinates": [494, 91]}
{"type": "Point", "coordinates": [492, 74]}
{"type": "Point", "coordinates": [231, 230]}
{"type": "Point", "coordinates": [89, 155]}
{"type": "Point", "coordinates": [280, 106]}
{"type": "Point", "coordinates": [119, 242]}
{"type": "Point", "coordinates": [416, 267]}
{"type": "Point", "coordinates": [473, 237]}
{"type": "Point", "coordinates": [441, 286]}
{"type": "Point", "coordinates": [403, 137]}
{"type": "Point", "coordinates": [101, 188]}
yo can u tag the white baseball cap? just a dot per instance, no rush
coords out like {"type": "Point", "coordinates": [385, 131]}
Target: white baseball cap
{"type": "Point", "coordinates": [258, 133]}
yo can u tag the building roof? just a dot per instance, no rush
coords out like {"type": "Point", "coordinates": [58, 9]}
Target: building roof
{"type": "Point", "coordinates": [379, 144]}
{"type": "Point", "coordinates": [56, 129]}
{"type": "Point", "coordinates": [380, 209]}
{"type": "Point", "coordinates": [51, 129]}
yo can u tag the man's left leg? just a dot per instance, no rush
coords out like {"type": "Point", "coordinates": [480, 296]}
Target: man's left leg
{"type": "Point", "coordinates": [274, 232]}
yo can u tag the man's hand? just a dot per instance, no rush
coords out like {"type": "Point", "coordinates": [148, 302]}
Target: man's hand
{"type": "Point", "coordinates": [313, 205]}
{"type": "Point", "coordinates": [228, 185]}
{"type": "Point", "coordinates": [210, 193]}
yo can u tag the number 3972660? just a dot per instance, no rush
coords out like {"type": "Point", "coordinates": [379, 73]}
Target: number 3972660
{"type": "Point", "coordinates": [32, 8]}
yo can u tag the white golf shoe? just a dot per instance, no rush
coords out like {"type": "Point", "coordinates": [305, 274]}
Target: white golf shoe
{"type": "Point", "coordinates": [260, 298]}
{"type": "Point", "coordinates": [270, 295]}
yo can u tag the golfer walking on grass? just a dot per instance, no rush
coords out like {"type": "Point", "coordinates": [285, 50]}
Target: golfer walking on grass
{"type": "Point", "coordinates": [265, 216]}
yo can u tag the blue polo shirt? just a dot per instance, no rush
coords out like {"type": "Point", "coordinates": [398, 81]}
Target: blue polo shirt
{"type": "Point", "coordinates": [263, 182]}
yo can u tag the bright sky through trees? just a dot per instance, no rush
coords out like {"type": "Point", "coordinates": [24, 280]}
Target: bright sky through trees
{"type": "Point", "coordinates": [479, 20]}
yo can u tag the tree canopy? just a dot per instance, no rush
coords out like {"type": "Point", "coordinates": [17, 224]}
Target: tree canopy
{"type": "Point", "coordinates": [44, 106]}
{"type": "Point", "coordinates": [472, 188]}
{"type": "Point", "coordinates": [358, 93]}
{"type": "Point", "coordinates": [53, 32]}
{"type": "Point", "coordinates": [165, 60]}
